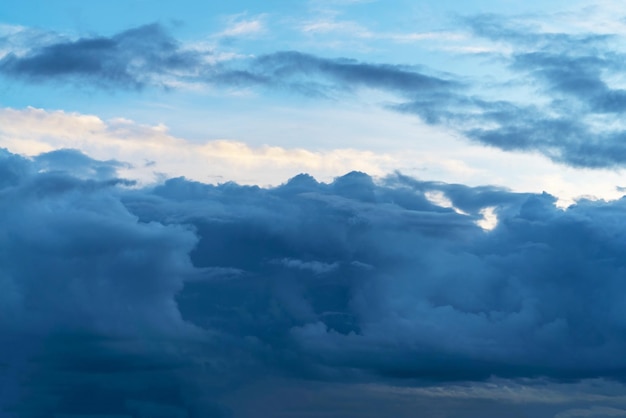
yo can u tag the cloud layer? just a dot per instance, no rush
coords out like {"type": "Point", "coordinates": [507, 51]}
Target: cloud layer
{"type": "Point", "coordinates": [162, 301]}
{"type": "Point", "coordinates": [570, 109]}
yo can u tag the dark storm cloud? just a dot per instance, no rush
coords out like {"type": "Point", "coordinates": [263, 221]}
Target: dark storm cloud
{"type": "Point", "coordinates": [354, 279]}
{"type": "Point", "coordinates": [166, 301]}
{"type": "Point", "coordinates": [86, 292]}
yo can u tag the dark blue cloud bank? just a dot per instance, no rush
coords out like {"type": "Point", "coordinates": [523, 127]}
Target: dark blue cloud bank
{"type": "Point", "coordinates": [165, 301]}
{"type": "Point", "coordinates": [572, 116]}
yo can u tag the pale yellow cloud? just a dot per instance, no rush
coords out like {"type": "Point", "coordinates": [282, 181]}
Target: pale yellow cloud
{"type": "Point", "coordinates": [153, 151]}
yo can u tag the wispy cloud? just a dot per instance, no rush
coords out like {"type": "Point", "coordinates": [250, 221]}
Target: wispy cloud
{"type": "Point", "coordinates": [240, 26]}
{"type": "Point", "coordinates": [572, 114]}
{"type": "Point", "coordinates": [352, 29]}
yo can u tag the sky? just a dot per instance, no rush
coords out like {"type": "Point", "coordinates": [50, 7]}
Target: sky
{"type": "Point", "coordinates": [328, 208]}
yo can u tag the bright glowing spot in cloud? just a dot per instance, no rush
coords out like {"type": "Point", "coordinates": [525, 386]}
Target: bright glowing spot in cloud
{"type": "Point", "coordinates": [489, 220]}
{"type": "Point", "coordinates": [438, 198]}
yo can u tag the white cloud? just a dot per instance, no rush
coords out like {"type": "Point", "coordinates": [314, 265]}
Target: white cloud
{"type": "Point", "coordinates": [334, 26]}
{"type": "Point", "coordinates": [356, 30]}
{"type": "Point", "coordinates": [598, 17]}
{"type": "Point", "coordinates": [489, 220]}
{"type": "Point", "coordinates": [238, 26]}
{"type": "Point", "coordinates": [317, 267]}
{"type": "Point", "coordinates": [438, 198]}
{"type": "Point", "coordinates": [6, 29]}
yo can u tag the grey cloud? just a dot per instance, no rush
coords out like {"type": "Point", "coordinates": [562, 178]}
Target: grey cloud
{"type": "Point", "coordinates": [168, 300]}
{"type": "Point", "coordinates": [87, 291]}
{"type": "Point", "coordinates": [346, 73]}
{"type": "Point", "coordinates": [567, 70]}
{"type": "Point", "coordinates": [77, 164]}
{"type": "Point", "coordinates": [139, 57]}
{"type": "Point", "coordinates": [313, 266]}
{"type": "Point", "coordinates": [515, 301]}
{"type": "Point", "coordinates": [568, 73]}
{"type": "Point", "coordinates": [132, 58]}
{"type": "Point", "coordinates": [596, 412]}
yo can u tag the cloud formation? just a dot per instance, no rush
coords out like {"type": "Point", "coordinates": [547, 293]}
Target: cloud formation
{"type": "Point", "coordinates": [571, 112]}
{"type": "Point", "coordinates": [579, 124]}
{"type": "Point", "coordinates": [130, 59]}
{"type": "Point", "coordinates": [162, 301]}
{"type": "Point", "coordinates": [152, 152]}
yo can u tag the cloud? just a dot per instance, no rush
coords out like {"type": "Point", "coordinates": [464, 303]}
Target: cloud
{"type": "Point", "coordinates": [238, 26]}
{"type": "Point", "coordinates": [313, 266]}
{"type": "Point", "coordinates": [578, 124]}
{"type": "Point", "coordinates": [130, 59]}
{"type": "Point", "coordinates": [593, 412]}
{"type": "Point", "coordinates": [168, 299]}
{"type": "Point", "coordinates": [348, 73]}
{"type": "Point", "coordinates": [572, 114]}
{"type": "Point", "coordinates": [446, 300]}
{"type": "Point", "coordinates": [148, 54]}
{"type": "Point", "coordinates": [332, 25]}
{"type": "Point", "coordinates": [89, 289]}
{"type": "Point", "coordinates": [153, 152]}
{"type": "Point", "coordinates": [352, 29]}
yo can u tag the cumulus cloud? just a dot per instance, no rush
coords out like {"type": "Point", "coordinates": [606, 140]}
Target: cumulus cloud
{"type": "Point", "coordinates": [86, 288]}
{"type": "Point", "coordinates": [165, 301]}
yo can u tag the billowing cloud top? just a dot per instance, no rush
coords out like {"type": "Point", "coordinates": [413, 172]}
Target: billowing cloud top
{"type": "Point", "coordinates": [161, 301]}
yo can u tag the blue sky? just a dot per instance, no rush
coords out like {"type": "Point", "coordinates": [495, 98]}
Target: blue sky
{"type": "Point", "coordinates": [321, 208]}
